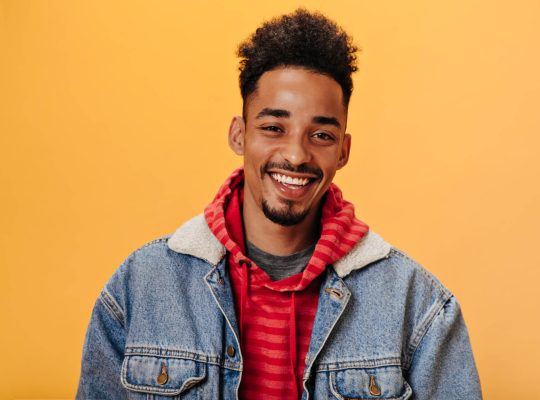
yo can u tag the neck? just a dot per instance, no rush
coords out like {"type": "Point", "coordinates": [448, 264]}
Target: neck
{"type": "Point", "coordinates": [277, 239]}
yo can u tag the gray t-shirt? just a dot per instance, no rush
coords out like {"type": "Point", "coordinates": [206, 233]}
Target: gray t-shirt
{"type": "Point", "coordinates": [279, 267]}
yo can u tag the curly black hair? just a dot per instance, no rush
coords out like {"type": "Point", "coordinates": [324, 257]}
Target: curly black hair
{"type": "Point", "coordinates": [303, 39]}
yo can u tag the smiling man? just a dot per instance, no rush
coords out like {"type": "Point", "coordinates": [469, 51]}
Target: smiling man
{"type": "Point", "coordinates": [278, 291]}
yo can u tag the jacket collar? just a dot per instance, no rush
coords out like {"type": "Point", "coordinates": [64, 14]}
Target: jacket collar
{"type": "Point", "coordinates": [194, 238]}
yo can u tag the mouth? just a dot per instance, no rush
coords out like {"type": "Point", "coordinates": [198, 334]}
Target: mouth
{"type": "Point", "coordinates": [290, 185]}
{"type": "Point", "coordinates": [289, 181]}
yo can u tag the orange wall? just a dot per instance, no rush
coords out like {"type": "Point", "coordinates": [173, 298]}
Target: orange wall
{"type": "Point", "coordinates": [113, 121]}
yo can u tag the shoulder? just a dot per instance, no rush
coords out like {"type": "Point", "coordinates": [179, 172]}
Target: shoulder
{"type": "Point", "coordinates": [155, 268]}
{"type": "Point", "coordinates": [146, 256]}
{"type": "Point", "coordinates": [401, 289]}
{"type": "Point", "coordinates": [192, 240]}
{"type": "Point", "coordinates": [400, 279]}
{"type": "Point", "coordinates": [405, 268]}
{"type": "Point", "coordinates": [373, 262]}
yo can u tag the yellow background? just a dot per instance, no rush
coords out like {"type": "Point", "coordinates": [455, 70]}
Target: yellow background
{"type": "Point", "coordinates": [113, 121]}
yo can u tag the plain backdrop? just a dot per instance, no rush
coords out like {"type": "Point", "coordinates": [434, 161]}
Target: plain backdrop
{"type": "Point", "coordinates": [113, 124]}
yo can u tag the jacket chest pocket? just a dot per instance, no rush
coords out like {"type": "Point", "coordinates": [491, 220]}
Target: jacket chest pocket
{"type": "Point", "coordinates": [150, 377]}
{"type": "Point", "coordinates": [385, 383]}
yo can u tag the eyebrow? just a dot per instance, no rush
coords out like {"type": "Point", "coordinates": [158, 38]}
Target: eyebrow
{"type": "Point", "coordinates": [280, 113]}
{"type": "Point", "coordinates": [273, 112]}
{"type": "Point", "coordinates": [322, 120]}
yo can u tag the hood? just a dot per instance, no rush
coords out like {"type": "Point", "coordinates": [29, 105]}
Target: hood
{"type": "Point", "coordinates": [195, 238]}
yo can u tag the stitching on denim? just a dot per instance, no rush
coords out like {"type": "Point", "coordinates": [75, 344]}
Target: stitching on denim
{"type": "Point", "coordinates": [110, 304]}
{"type": "Point", "coordinates": [368, 363]}
{"type": "Point", "coordinates": [181, 354]}
{"type": "Point", "coordinates": [158, 240]}
{"type": "Point", "coordinates": [424, 272]}
{"type": "Point", "coordinates": [333, 389]}
{"type": "Point", "coordinates": [194, 380]}
{"type": "Point", "coordinates": [426, 324]}
{"type": "Point", "coordinates": [228, 363]}
{"type": "Point", "coordinates": [170, 353]}
{"type": "Point", "coordinates": [152, 389]}
{"type": "Point", "coordinates": [332, 383]}
{"type": "Point", "coordinates": [157, 390]}
{"type": "Point", "coordinates": [345, 302]}
{"type": "Point", "coordinates": [443, 295]}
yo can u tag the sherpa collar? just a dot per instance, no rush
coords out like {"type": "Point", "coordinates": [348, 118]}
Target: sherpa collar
{"type": "Point", "coordinates": [195, 238]}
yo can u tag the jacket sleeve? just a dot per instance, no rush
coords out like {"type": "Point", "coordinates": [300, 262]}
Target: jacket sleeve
{"type": "Point", "coordinates": [442, 365]}
{"type": "Point", "coordinates": [103, 352]}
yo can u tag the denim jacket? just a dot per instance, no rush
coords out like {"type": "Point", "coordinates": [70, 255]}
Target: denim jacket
{"type": "Point", "coordinates": [164, 327]}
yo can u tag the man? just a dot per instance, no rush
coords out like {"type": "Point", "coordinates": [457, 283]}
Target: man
{"type": "Point", "coordinates": [278, 291]}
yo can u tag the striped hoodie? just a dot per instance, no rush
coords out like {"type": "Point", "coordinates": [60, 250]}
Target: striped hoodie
{"type": "Point", "coordinates": [276, 317]}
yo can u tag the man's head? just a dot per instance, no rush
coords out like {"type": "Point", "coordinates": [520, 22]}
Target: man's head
{"type": "Point", "coordinates": [296, 84]}
{"type": "Point", "coordinates": [302, 39]}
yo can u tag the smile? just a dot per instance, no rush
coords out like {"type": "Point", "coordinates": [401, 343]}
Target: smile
{"type": "Point", "coordinates": [290, 181]}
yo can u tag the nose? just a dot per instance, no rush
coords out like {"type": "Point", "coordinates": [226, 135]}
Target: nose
{"type": "Point", "coordinates": [296, 151]}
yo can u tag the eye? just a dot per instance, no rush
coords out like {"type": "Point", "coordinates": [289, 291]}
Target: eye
{"type": "Point", "coordinates": [323, 136]}
{"type": "Point", "coordinates": [272, 128]}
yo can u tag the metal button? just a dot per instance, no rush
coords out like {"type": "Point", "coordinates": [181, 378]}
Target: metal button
{"type": "Point", "coordinates": [163, 377]}
{"type": "Point", "coordinates": [221, 281]}
{"type": "Point", "coordinates": [374, 389]}
{"type": "Point", "coordinates": [231, 351]}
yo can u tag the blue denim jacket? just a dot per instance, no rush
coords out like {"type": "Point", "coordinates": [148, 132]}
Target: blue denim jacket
{"type": "Point", "coordinates": [164, 327]}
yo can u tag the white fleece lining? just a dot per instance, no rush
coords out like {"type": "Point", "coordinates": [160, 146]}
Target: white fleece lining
{"type": "Point", "coordinates": [196, 239]}
{"type": "Point", "coordinates": [371, 248]}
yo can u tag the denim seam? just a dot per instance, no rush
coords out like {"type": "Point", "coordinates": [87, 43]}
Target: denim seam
{"type": "Point", "coordinates": [373, 363]}
{"type": "Point", "coordinates": [158, 240]}
{"type": "Point", "coordinates": [424, 272]}
{"type": "Point", "coordinates": [146, 388]}
{"type": "Point", "coordinates": [180, 354]}
{"type": "Point", "coordinates": [423, 329]}
{"type": "Point", "coordinates": [332, 379]}
{"type": "Point", "coordinates": [206, 278]}
{"type": "Point", "coordinates": [110, 304]}
{"type": "Point", "coordinates": [333, 389]}
{"type": "Point", "coordinates": [346, 300]}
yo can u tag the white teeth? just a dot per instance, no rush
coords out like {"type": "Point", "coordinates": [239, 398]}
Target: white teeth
{"type": "Point", "coordinates": [290, 180]}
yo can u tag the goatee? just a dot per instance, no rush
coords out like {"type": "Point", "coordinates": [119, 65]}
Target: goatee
{"type": "Point", "coordinates": [286, 216]}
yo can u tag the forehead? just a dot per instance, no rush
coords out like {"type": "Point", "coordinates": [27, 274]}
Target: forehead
{"type": "Point", "coordinates": [300, 91]}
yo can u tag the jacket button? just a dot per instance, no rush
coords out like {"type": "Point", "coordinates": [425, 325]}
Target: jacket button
{"type": "Point", "coordinates": [163, 377]}
{"type": "Point", "coordinates": [231, 351]}
{"type": "Point", "coordinates": [334, 292]}
{"type": "Point", "coordinates": [374, 389]}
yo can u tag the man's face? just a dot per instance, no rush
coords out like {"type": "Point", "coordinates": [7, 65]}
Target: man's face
{"type": "Point", "coordinates": [293, 142]}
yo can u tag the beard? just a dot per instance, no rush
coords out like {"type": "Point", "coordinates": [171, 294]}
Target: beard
{"type": "Point", "coordinates": [285, 216]}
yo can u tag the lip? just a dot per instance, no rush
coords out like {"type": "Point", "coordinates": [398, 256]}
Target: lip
{"type": "Point", "coordinates": [291, 174]}
{"type": "Point", "coordinates": [288, 191]}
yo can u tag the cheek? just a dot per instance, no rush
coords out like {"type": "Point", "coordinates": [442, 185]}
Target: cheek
{"type": "Point", "coordinates": [255, 158]}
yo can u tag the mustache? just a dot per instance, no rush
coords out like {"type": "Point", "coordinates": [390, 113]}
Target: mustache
{"type": "Point", "coordinates": [301, 169]}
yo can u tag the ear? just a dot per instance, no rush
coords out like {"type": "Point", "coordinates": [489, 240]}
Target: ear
{"type": "Point", "coordinates": [345, 150]}
{"type": "Point", "coordinates": [237, 132]}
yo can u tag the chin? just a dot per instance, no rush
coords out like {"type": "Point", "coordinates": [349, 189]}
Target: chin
{"type": "Point", "coordinates": [285, 215]}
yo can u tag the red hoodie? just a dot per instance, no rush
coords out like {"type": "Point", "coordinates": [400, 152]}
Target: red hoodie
{"type": "Point", "coordinates": [276, 317]}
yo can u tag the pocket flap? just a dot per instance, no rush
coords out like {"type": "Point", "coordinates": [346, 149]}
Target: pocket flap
{"type": "Point", "coordinates": [161, 375]}
{"type": "Point", "coordinates": [370, 383]}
